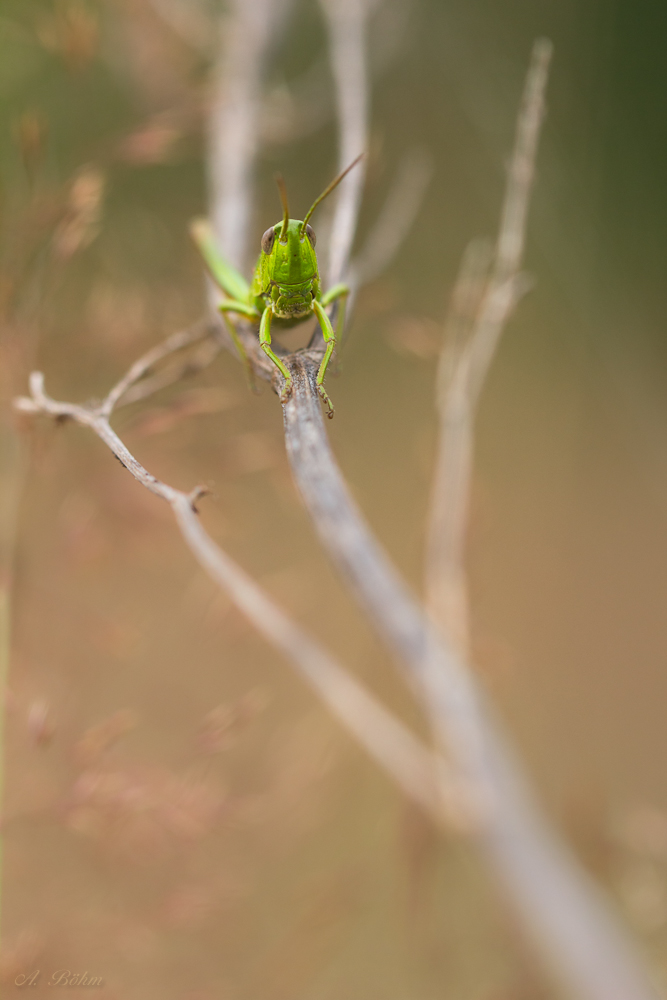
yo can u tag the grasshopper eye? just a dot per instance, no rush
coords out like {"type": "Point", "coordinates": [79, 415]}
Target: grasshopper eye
{"type": "Point", "coordinates": [268, 240]}
{"type": "Point", "coordinates": [310, 233]}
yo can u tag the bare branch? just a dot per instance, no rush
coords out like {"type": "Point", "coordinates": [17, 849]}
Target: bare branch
{"type": "Point", "coordinates": [199, 359]}
{"type": "Point", "coordinates": [410, 765]}
{"type": "Point", "coordinates": [235, 119]}
{"type": "Point", "coordinates": [512, 235]}
{"type": "Point", "coordinates": [303, 106]}
{"type": "Point", "coordinates": [396, 218]}
{"type": "Point", "coordinates": [469, 289]}
{"type": "Point", "coordinates": [446, 592]}
{"type": "Point", "coordinates": [368, 571]}
{"type": "Point", "coordinates": [507, 284]}
{"type": "Point", "coordinates": [481, 305]}
{"type": "Point", "coordinates": [347, 23]}
{"type": "Point", "coordinates": [179, 341]}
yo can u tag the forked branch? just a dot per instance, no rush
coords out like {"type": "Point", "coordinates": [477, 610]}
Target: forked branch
{"type": "Point", "coordinates": [394, 747]}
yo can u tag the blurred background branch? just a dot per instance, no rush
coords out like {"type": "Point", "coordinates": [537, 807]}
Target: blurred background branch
{"type": "Point", "coordinates": [488, 287]}
{"type": "Point", "coordinates": [247, 34]}
{"type": "Point", "coordinates": [347, 22]}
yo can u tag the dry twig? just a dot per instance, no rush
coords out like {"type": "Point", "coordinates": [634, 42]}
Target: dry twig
{"type": "Point", "coordinates": [246, 36]}
{"type": "Point", "coordinates": [481, 305]}
{"type": "Point", "coordinates": [395, 748]}
{"type": "Point", "coordinates": [347, 22]}
{"type": "Point", "coordinates": [135, 385]}
{"type": "Point", "coordinates": [396, 218]}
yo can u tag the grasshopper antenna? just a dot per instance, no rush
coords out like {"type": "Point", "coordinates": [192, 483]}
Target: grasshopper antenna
{"type": "Point", "coordinates": [280, 181]}
{"type": "Point", "coordinates": [328, 191]}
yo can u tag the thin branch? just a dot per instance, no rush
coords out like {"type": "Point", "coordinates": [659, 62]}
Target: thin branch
{"type": "Point", "coordinates": [484, 296]}
{"type": "Point", "coordinates": [196, 362]}
{"type": "Point", "coordinates": [246, 36]}
{"type": "Point", "coordinates": [295, 110]}
{"type": "Point", "coordinates": [396, 218]}
{"type": "Point", "coordinates": [410, 765]}
{"type": "Point", "coordinates": [347, 25]}
{"type": "Point", "coordinates": [144, 366]}
{"type": "Point", "coordinates": [506, 285]}
{"type": "Point", "coordinates": [446, 591]}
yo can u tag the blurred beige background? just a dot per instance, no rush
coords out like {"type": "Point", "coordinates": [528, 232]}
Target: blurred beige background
{"type": "Point", "coordinates": [181, 817]}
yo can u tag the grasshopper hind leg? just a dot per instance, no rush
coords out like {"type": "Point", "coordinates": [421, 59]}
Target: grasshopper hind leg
{"type": "Point", "coordinates": [229, 307]}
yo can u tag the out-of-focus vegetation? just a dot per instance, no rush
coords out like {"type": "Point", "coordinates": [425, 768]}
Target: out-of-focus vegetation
{"type": "Point", "coordinates": [181, 818]}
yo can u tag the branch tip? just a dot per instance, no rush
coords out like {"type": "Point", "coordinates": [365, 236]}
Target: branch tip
{"type": "Point", "coordinates": [36, 383]}
{"type": "Point", "coordinates": [24, 404]}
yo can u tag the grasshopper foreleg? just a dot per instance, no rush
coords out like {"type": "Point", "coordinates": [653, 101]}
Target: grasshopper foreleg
{"type": "Point", "coordinates": [340, 292]}
{"type": "Point", "coordinates": [265, 343]}
{"type": "Point", "coordinates": [330, 341]}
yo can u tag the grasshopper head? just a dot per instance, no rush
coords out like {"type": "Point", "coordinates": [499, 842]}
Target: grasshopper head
{"type": "Point", "coordinates": [288, 248]}
{"type": "Point", "coordinates": [288, 253]}
{"type": "Point", "coordinates": [287, 267]}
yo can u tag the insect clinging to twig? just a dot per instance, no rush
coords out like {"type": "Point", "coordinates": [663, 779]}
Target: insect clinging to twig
{"type": "Point", "coordinates": [285, 287]}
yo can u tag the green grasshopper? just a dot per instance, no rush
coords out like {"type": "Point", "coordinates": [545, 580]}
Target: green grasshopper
{"type": "Point", "coordinates": [285, 288]}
